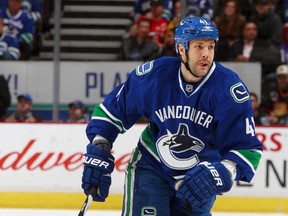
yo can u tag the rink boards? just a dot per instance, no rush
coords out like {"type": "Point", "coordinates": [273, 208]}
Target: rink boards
{"type": "Point", "coordinates": [40, 167]}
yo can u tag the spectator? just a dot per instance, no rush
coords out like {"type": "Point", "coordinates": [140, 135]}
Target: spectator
{"type": "Point", "coordinates": [169, 44]}
{"type": "Point", "coordinates": [9, 46]}
{"type": "Point", "coordinates": [268, 23]}
{"type": "Point", "coordinates": [77, 112]}
{"type": "Point", "coordinates": [176, 15]}
{"type": "Point", "coordinates": [248, 48]}
{"type": "Point", "coordinates": [33, 7]}
{"type": "Point", "coordinates": [252, 49]}
{"type": "Point", "coordinates": [158, 23]}
{"type": "Point", "coordinates": [276, 105]}
{"type": "Point", "coordinates": [198, 8]}
{"type": "Point", "coordinates": [23, 111]}
{"type": "Point", "coordinates": [259, 114]}
{"type": "Point", "coordinates": [230, 25]}
{"type": "Point", "coordinates": [246, 7]}
{"type": "Point", "coordinates": [19, 26]}
{"type": "Point", "coordinates": [139, 48]}
{"type": "Point", "coordinates": [282, 82]}
{"type": "Point", "coordinates": [142, 7]}
{"type": "Point", "coordinates": [5, 97]}
{"type": "Point", "coordinates": [269, 27]}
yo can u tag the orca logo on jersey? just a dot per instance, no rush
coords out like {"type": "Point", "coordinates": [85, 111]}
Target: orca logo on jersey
{"type": "Point", "coordinates": [177, 150]}
{"type": "Point", "coordinates": [239, 92]}
{"type": "Point", "coordinates": [144, 68]}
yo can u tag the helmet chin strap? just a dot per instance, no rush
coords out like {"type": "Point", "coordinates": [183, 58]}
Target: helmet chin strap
{"type": "Point", "coordinates": [187, 65]}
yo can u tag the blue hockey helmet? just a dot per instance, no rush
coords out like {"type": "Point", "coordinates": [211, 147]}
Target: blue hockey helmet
{"type": "Point", "coordinates": [191, 28]}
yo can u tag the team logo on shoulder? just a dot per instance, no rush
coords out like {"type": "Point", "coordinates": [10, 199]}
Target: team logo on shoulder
{"type": "Point", "coordinates": [179, 151]}
{"type": "Point", "coordinates": [239, 93]}
{"type": "Point", "coordinates": [144, 68]}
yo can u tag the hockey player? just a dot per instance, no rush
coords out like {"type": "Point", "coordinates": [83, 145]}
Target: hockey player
{"type": "Point", "coordinates": [200, 137]}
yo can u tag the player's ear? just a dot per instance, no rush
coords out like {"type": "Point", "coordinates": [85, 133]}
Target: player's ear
{"type": "Point", "coordinates": [181, 49]}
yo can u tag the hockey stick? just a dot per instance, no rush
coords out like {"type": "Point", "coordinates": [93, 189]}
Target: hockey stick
{"type": "Point", "coordinates": [87, 201]}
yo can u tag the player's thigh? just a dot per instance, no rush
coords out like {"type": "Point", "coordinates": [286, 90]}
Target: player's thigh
{"type": "Point", "coordinates": [146, 193]}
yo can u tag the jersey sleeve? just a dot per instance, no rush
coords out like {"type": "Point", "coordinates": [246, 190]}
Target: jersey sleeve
{"type": "Point", "coordinates": [27, 32]}
{"type": "Point", "coordinates": [236, 137]}
{"type": "Point", "coordinates": [118, 112]}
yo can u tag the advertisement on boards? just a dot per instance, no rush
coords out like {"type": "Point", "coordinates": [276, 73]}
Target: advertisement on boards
{"type": "Point", "coordinates": [48, 157]}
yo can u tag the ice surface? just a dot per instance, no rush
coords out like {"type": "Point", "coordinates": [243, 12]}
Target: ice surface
{"type": "Point", "coordinates": [69, 212]}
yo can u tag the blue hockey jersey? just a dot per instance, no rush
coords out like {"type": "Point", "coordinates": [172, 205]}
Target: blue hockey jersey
{"type": "Point", "coordinates": [19, 26]}
{"type": "Point", "coordinates": [200, 8]}
{"type": "Point", "coordinates": [188, 123]}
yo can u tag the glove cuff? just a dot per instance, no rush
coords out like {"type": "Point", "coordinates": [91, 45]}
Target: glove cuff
{"type": "Point", "coordinates": [231, 167]}
{"type": "Point", "coordinates": [102, 142]}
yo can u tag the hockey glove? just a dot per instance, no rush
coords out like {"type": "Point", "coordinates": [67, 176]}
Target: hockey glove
{"type": "Point", "coordinates": [203, 182]}
{"type": "Point", "coordinates": [98, 166]}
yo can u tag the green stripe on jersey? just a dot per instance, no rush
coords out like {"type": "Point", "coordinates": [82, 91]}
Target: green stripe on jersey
{"type": "Point", "coordinates": [147, 139]}
{"type": "Point", "coordinates": [99, 112]}
{"type": "Point", "coordinates": [28, 37]}
{"type": "Point", "coordinates": [252, 156]}
{"type": "Point", "coordinates": [130, 181]}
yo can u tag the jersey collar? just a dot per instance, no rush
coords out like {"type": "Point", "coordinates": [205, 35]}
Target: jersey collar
{"type": "Point", "coordinates": [16, 16]}
{"type": "Point", "coordinates": [196, 86]}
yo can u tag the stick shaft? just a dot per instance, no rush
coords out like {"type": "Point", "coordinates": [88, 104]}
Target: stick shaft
{"type": "Point", "coordinates": [87, 202]}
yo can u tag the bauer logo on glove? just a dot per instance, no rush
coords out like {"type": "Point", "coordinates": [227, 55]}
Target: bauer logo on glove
{"type": "Point", "coordinates": [95, 162]}
{"type": "Point", "coordinates": [203, 182]}
{"type": "Point", "coordinates": [214, 173]}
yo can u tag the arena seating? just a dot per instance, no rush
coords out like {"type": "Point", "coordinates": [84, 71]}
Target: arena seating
{"type": "Point", "coordinates": [90, 30]}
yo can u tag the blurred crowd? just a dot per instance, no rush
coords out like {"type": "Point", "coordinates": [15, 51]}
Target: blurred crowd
{"type": "Point", "coordinates": [250, 30]}
{"type": "Point", "coordinates": [77, 111]}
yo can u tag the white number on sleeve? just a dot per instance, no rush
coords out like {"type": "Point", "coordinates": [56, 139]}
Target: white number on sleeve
{"type": "Point", "coordinates": [250, 126]}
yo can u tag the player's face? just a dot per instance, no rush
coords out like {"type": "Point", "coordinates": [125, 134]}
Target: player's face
{"type": "Point", "coordinates": [200, 58]}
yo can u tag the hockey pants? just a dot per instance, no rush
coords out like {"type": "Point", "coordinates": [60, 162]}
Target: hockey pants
{"type": "Point", "coordinates": [148, 194]}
